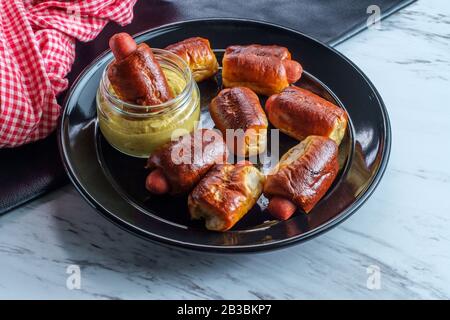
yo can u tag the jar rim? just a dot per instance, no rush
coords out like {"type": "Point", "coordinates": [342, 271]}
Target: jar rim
{"type": "Point", "coordinates": [161, 107]}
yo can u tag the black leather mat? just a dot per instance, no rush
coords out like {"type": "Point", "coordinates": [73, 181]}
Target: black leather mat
{"type": "Point", "coordinates": [32, 170]}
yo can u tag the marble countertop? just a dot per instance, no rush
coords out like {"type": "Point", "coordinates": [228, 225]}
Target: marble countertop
{"type": "Point", "coordinates": [403, 231]}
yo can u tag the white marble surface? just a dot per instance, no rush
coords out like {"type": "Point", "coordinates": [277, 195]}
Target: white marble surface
{"type": "Point", "coordinates": [404, 228]}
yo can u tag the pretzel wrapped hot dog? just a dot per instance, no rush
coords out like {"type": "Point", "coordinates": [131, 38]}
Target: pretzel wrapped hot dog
{"type": "Point", "coordinates": [135, 75]}
{"type": "Point", "coordinates": [239, 109]}
{"type": "Point", "coordinates": [178, 166]}
{"type": "Point", "coordinates": [302, 177]}
{"type": "Point", "coordinates": [299, 113]}
{"type": "Point", "coordinates": [264, 69]}
{"type": "Point", "coordinates": [198, 55]}
{"type": "Point", "coordinates": [225, 195]}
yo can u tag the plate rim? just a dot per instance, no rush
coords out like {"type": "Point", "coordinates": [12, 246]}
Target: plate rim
{"type": "Point", "coordinates": [343, 215]}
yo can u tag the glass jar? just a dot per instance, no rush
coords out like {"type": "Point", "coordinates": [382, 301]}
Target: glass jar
{"type": "Point", "coordinates": [137, 130]}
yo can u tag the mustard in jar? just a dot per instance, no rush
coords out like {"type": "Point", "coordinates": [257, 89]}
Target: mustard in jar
{"type": "Point", "coordinates": [137, 130]}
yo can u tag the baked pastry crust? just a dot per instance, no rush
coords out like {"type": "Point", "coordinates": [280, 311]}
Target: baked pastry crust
{"type": "Point", "coordinates": [305, 172]}
{"type": "Point", "coordinates": [198, 55]}
{"type": "Point", "coordinates": [239, 108]}
{"type": "Point", "coordinates": [225, 195]}
{"type": "Point", "coordinates": [186, 160]}
{"type": "Point", "coordinates": [299, 113]}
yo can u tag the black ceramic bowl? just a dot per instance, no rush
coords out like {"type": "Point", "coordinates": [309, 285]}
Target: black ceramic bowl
{"type": "Point", "coordinates": [114, 183]}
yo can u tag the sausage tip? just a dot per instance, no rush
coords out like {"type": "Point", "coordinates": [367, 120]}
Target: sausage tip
{"type": "Point", "coordinates": [157, 183]}
{"type": "Point", "coordinates": [122, 45]}
{"type": "Point", "coordinates": [293, 70]}
{"type": "Point", "coordinates": [281, 208]}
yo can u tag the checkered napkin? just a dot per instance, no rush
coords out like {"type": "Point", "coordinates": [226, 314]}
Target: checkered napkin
{"type": "Point", "coordinates": [37, 49]}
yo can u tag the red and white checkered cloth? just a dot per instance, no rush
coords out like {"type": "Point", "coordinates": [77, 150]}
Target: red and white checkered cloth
{"type": "Point", "coordinates": [37, 49]}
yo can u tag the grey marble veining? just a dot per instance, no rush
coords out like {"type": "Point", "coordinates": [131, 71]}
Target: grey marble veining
{"type": "Point", "coordinates": [404, 228]}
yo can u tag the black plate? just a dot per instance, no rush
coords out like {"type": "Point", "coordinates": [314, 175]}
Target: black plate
{"type": "Point", "coordinates": [114, 183]}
